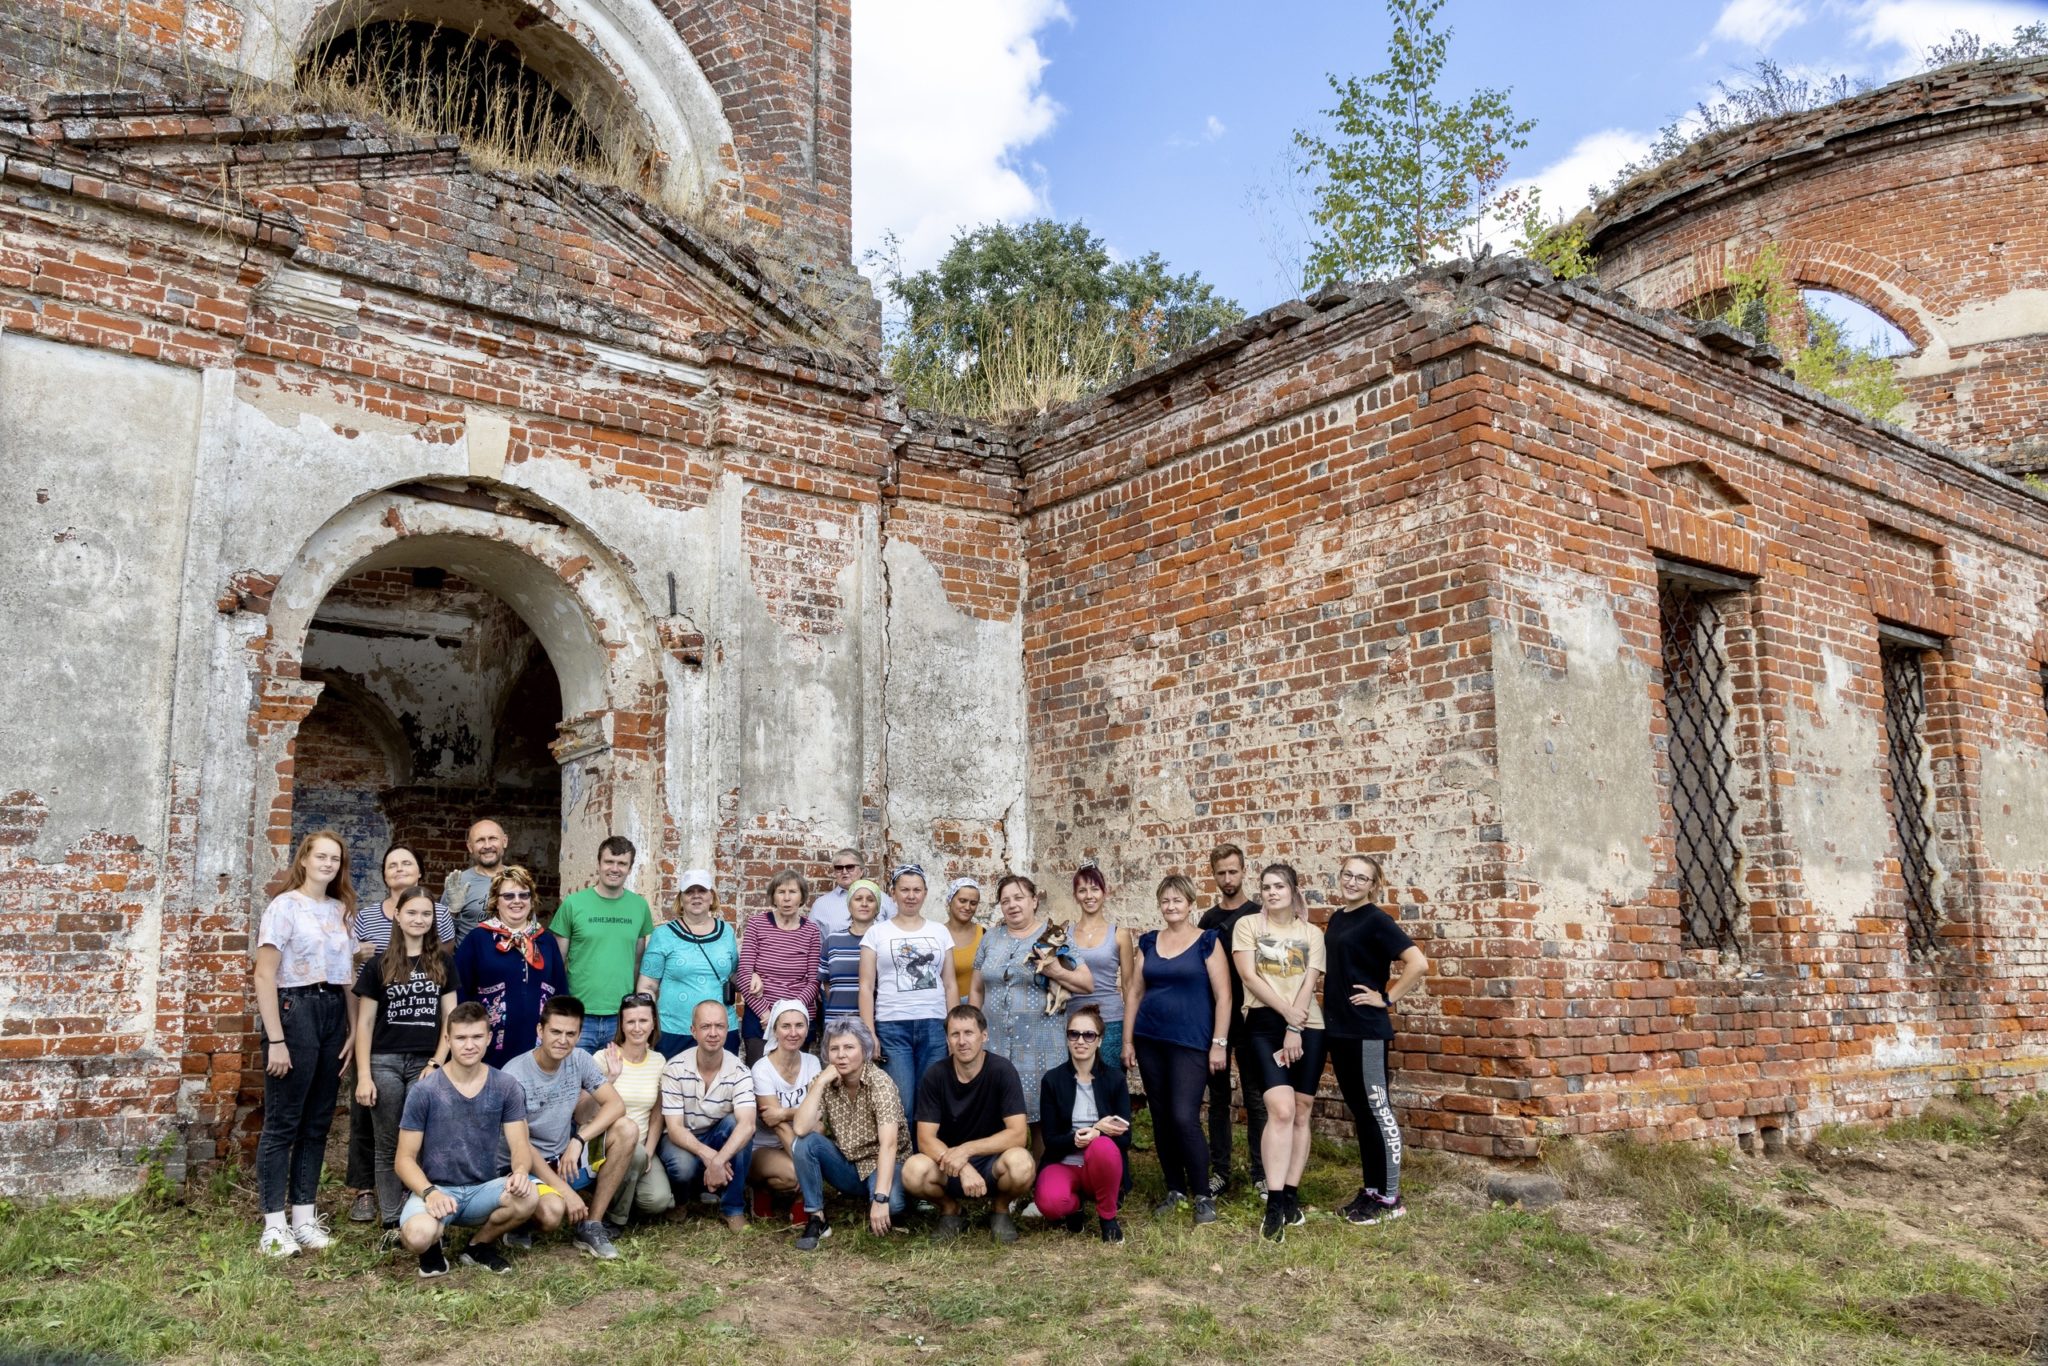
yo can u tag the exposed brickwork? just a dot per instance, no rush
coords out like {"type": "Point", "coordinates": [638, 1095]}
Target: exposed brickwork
{"type": "Point", "coordinates": [1923, 200]}
{"type": "Point", "coordinates": [797, 549]}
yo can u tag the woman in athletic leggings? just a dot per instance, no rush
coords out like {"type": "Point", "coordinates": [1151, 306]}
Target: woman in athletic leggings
{"type": "Point", "coordinates": [1372, 964]}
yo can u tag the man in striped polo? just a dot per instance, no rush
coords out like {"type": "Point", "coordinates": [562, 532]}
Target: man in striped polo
{"type": "Point", "coordinates": [707, 1109]}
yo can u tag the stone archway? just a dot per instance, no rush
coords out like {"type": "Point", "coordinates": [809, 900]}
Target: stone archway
{"type": "Point", "coordinates": [563, 586]}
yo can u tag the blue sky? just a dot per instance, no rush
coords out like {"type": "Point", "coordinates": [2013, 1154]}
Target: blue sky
{"type": "Point", "coordinates": [1166, 126]}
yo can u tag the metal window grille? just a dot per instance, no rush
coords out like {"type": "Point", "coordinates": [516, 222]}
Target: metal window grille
{"type": "Point", "coordinates": [1905, 722]}
{"type": "Point", "coordinates": [1702, 765]}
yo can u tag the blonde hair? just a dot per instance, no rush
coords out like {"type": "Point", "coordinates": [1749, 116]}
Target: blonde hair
{"type": "Point", "coordinates": [512, 872]}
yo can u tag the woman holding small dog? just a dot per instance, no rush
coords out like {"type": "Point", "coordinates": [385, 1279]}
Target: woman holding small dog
{"type": "Point", "coordinates": [1021, 985]}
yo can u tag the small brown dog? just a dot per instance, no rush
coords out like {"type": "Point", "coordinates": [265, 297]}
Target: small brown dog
{"type": "Point", "coordinates": [1051, 947]}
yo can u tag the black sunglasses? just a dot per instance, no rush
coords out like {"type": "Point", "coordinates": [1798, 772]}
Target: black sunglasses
{"type": "Point", "coordinates": [637, 998]}
{"type": "Point", "coordinates": [1082, 1035]}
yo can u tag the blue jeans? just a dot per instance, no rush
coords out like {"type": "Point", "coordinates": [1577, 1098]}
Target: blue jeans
{"type": "Point", "coordinates": [473, 1204]}
{"type": "Point", "coordinates": [597, 1032]}
{"type": "Point", "coordinates": [686, 1171]}
{"type": "Point", "coordinates": [819, 1161]}
{"type": "Point", "coordinates": [909, 1047]}
{"type": "Point", "coordinates": [674, 1046]}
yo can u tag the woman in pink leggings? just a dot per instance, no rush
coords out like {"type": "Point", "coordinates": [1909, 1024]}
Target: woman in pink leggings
{"type": "Point", "coordinates": [1084, 1111]}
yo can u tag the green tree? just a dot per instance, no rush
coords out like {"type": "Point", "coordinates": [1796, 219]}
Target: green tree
{"type": "Point", "coordinates": [1407, 171]}
{"type": "Point", "coordinates": [1763, 300]}
{"type": "Point", "coordinates": [1022, 318]}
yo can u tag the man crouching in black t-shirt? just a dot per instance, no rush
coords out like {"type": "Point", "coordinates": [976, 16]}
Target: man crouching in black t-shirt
{"type": "Point", "coordinates": [972, 1139]}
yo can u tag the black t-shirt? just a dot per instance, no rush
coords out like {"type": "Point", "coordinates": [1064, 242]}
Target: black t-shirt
{"type": "Point", "coordinates": [408, 1011]}
{"type": "Point", "coordinates": [974, 1110]}
{"type": "Point", "coordinates": [1224, 922]}
{"type": "Point", "coordinates": [1358, 948]}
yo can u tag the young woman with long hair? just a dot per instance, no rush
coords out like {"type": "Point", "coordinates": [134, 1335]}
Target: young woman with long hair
{"type": "Point", "coordinates": [1279, 955]}
{"type": "Point", "coordinates": [633, 1067]}
{"type": "Point", "coordinates": [403, 997]}
{"type": "Point", "coordinates": [1106, 949]}
{"type": "Point", "coordinates": [304, 965]}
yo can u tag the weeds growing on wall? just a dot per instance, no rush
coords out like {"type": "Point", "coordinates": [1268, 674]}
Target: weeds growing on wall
{"type": "Point", "coordinates": [1762, 299]}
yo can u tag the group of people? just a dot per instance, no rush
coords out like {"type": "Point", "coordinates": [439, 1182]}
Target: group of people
{"type": "Point", "coordinates": [517, 1078]}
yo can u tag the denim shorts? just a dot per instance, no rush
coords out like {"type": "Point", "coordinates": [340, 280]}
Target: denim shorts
{"type": "Point", "coordinates": [473, 1204]}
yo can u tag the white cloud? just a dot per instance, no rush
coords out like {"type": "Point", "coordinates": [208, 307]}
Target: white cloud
{"type": "Point", "coordinates": [946, 95]}
{"type": "Point", "coordinates": [1212, 128]}
{"type": "Point", "coordinates": [1758, 23]}
{"type": "Point", "coordinates": [1909, 27]}
{"type": "Point", "coordinates": [1564, 184]}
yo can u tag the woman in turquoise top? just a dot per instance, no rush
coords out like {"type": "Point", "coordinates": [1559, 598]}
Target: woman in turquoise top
{"type": "Point", "coordinates": [689, 960]}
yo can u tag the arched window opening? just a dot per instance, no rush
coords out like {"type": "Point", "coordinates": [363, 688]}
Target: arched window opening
{"type": "Point", "coordinates": [1858, 326]}
{"type": "Point", "coordinates": [438, 78]}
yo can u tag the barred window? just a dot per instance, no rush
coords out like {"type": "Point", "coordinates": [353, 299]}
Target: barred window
{"type": "Point", "coordinates": [1697, 691]}
{"type": "Point", "coordinates": [1908, 791]}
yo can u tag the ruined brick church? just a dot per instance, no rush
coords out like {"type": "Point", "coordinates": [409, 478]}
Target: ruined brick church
{"type": "Point", "coordinates": [350, 482]}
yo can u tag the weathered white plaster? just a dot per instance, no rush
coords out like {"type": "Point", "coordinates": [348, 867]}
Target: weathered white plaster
{"type": "Point", "coordinates": [1578, 782]}
{"type": "Point", "coordinates": [1834, 809]}
{"type": "Point", "coordinates": [99, 449]}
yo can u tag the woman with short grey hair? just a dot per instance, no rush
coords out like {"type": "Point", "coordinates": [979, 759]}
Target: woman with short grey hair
{"type": "Point", "coordinates": [850, 1132]}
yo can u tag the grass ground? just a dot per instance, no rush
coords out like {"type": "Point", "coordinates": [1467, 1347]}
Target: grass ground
{"type": "Point", "coordinates": [1927, 1243]}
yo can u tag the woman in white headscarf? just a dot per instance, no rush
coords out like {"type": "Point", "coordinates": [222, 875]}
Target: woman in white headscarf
{"type": "Point", "coordinates": [962, 904]}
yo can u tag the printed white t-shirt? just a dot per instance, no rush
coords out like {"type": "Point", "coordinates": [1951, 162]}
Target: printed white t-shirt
{"type": "Point", "coordinates": [908, 964]}
{"type": "Point", "coordinates": [769, 1082]}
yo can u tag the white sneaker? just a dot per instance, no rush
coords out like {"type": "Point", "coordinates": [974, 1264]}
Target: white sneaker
{"type": "Point", "coordinates": [1030, 1211]}
{"type": "Point", "coordinates": [277, 1242]}
{"type": "Point", "coordinates": [312, 1236]}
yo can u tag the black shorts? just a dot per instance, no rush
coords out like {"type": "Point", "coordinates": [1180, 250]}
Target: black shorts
{"type": "Point", "coordinates": [1255, 1063]}
{"type": "Point", "coordinates": [987, 1167]}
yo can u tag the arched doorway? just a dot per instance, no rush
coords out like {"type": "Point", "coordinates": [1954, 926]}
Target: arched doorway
{"type": "Point", "coordinates": [437, 654]}
{"type": "Point", "coordinates": [437, 707]}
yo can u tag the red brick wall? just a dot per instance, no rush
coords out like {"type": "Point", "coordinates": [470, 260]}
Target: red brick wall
{"type": "Point", "coordinates": [1924, 200]}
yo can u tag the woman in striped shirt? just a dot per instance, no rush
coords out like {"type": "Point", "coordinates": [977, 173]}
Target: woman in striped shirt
{"type": "Point", "coordinates": [779, 957]}
{"type": "Point", "coordinates": [840, 970]}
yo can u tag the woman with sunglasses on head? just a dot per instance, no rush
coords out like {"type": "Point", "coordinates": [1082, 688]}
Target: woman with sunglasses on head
{"type": "Point", "coordinates": [907, 986]}
{"type": "Point", "coordinates": [402, 1002]}
{"type": "Point", "coordinates": [633, 1067]}
{"type": "Point", "coordinates": [1373, 963]}
{"type": "Point", "coordinates": [1178, 1005]}
{"type": "Point", "coordinates": [511, 966]}
{"type": "Point", "coordinates": [1279, 956]}
{"type": "Point", "coordinates": [1084, 1109]}
{"type": "Point", "coordinates": [779, 956]}
{"type": "Point", "coordinates": [691, 958]}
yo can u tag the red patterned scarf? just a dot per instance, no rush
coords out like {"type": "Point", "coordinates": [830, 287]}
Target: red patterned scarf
{"type": "Point", "coordinates": [520, 941]}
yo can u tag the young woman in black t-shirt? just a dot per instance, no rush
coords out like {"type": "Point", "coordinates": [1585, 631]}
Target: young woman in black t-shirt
{"type": "Point", "coordinates": [403, 997]}
{"type": "Point", "coordinates": [1372, 963]}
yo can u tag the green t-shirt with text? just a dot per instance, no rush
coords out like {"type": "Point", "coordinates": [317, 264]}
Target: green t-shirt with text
{"type": "Point", "coordinates": [600, 935]}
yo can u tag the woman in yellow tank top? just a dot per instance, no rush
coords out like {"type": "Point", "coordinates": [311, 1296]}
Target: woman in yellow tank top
{"type": "Point", "coordinates": [963, 900]}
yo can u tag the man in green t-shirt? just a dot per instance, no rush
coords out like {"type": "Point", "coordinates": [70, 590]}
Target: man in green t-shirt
{"type": "Point", "coordinates": [602, 931]}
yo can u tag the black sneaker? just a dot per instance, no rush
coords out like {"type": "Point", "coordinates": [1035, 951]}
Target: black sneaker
{"type": "Point", "coordinates": [1074, 1222]}
{"type": "Point", "coordinates": [487, 1256]}
{"type": "Point", "coordinates": [433, 1262]}
{"type": "Point", "coordinates": [1205, 1209]}
{"type": "Point", "coordinates": [1173, 1201]}
{"type": "Point", "coordinates": [816, 1231]}
{"type": "Point", "coordinates": [1112, 1231]}
{"type": "Point", "coordinates": [1273, 1227]}
{"type": "Point", "coordinates": [1218, 1183]}
{"type": "Point", "coordinates": [388, 1240]}
{"type": "Point", "coordinates": [1377, 1211]}
{"type": "Point", "coordinates": [1002, 1227]}
{"type": "Point", "coordinates": [521, 1239]}
{"type": "Point", "coordinates": [1356, 1203]}
{"type": "Point", "coordinates": [1294, 1212]}
{"type": "Point", "coordinates": [950, 1226]}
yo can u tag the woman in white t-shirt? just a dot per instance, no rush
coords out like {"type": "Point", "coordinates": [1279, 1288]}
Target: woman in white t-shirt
{"type": "Point", "coordinates": [782, 1078]}
{"type": "Point", "coordinates": [634, 1070]}
{"type": "Point", "coordinates": [305, 964]}
{"type": "Point", "coordinates": [907, 986]}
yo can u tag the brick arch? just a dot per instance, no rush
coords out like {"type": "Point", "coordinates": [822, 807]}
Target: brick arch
{"type": "Point", "coordinates": [604, 56]}
{"type": "Point", "coordinates": [1905, 300]}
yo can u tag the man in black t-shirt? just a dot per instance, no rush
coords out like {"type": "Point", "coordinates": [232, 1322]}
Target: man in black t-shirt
{"type": "Point", "coordinates": [973, 1142]}
{"type": "Point", "coordinates": [1226, 865]}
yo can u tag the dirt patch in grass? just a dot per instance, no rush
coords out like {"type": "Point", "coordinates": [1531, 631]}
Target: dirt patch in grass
{"type": "Point", "coordinates": [2011, 1329]}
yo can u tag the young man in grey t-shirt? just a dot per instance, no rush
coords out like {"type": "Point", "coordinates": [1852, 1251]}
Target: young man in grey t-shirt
{"type": "Point", "coordinates": [570, 1105]}
{"type": "Point", "coordinates": [457, 1121]}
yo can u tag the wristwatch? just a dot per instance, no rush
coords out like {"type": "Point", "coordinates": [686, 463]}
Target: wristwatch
{"type": "Point", "coordinates": [878, 1197]}
{"type": "Point", "coordinates": [1219, 1043]}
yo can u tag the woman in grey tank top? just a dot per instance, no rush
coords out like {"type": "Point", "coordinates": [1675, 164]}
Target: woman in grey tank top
{"type": "Point", "coordinates": [1098, 942]}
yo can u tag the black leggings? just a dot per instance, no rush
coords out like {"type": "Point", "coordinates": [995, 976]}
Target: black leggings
{"type": "Point", "coordinates": [1361, 1066]}
{"type": "Point", "coordinates": [1176, 1078]}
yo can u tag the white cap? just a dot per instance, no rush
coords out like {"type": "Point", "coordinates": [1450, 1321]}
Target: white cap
{"type": "Point", "coordinates": [697, 877]}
